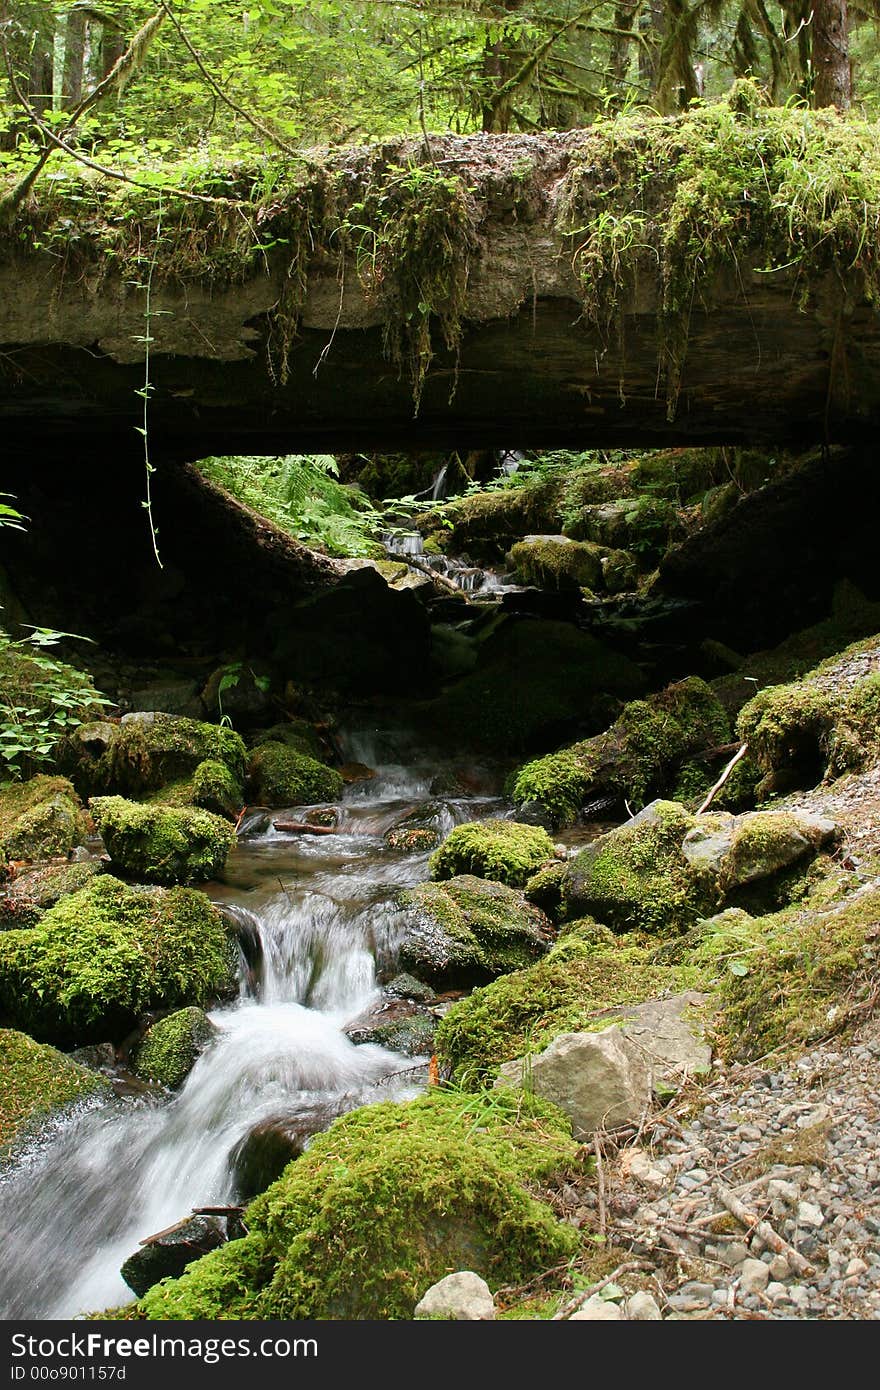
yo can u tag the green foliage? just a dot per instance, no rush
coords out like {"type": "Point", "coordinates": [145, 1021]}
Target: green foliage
{"type": "Point", "coordinates": [101, 958]}
{"type": "Point", "coordinates": [162, 844]}
{"type": "Point", "coordinates": [302, 496]}
{"type": "Point", "coordinates": [383, 1204]}
{"type": "Point", "coordinates": [42, 700]}
{"type": "Point", "coordinates": [502, 850]}
{"type": "Point", "coordinates": [38, 1082]}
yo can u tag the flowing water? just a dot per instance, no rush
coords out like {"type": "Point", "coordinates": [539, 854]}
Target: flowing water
{"type": "Point", "coordinates": [323, 910]}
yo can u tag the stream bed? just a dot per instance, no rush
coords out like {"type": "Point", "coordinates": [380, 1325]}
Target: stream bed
{"type": "Point", "coordinates": [323, 910]}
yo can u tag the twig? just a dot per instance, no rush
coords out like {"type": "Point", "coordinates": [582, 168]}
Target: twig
{"type": "Point", "coordinates": [627, 1268]}
{"type": "Point", "coordinates": [723, 778]}
{"type": "Point", "coordinates": [600, 1185]}
{"type": "Point", "coordinates": [764, 1230]}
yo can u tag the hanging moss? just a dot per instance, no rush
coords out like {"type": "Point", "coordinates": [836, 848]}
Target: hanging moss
{"type": "Point", "coordinates": [383, 1204]}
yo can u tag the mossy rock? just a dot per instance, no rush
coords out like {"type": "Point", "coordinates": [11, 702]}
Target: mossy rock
{"type": "Point", "coordinates": [544, 888]}
{"type": "Point", "coordinates": [645, 525]}
{"type": "Point", "coordinates": [38, 1083]}
{"type": "Point", "coordinates": [296, 733]}
{"type": "Point", "coordinates": [169, 1049]}
{"type": "Point", "coordinates": [24, 900]}
{"type": "Point", "coordinates": [788, 726]}
{"type": "Point", "coordinates": [586, 974]}
{"type": "Point", "coordinates": [555, 562]}
{"type": "Point", "coordinates": [382, 1205]}
{"type": "Point", "coordinates": [279, 775]}
{"type": "Point", "coordinates": [162, 844]}
{"type": "Point", "coordinates": [468, 930]}
{"type": "Point", "coordinates": [636, 877]}
{"type": "Point", "coordinates": [40, 818]}
{"type": "Point", "coordinates": [502, 850]}
{"type": "Point", "coordinates": [103, 957]}
{"type": "Point", "coordinates": [212, 787]}
{"type": "Point", "coordinates": [638, 757]}
{"type": "Point", "coordinates": [486, 523]}
{"type": "Point", "coordinates": [533, 681]}
{"type": "Point", "coordinates": [145, 753]}
{"type": "Point", "coordinates": [784, 980]}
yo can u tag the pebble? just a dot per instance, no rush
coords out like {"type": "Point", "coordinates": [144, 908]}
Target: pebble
{"type": "Point", "coordinates": [597, 1309]}
{"type": "Point", "coordinates": [642, 1307]}
{"type": "Point", "coordinates": [753, 1276]}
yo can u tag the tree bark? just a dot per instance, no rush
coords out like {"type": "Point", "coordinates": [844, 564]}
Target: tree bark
{"type": "Point", "coordinates": [74, 56]}
{"type": "Point", "coordinates": [832, 75]}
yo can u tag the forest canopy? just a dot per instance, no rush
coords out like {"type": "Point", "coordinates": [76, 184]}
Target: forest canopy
{"type": "Point", "coordinates": [145, 80]}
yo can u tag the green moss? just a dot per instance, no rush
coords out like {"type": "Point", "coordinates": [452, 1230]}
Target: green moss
{"type": "Point", "coordinates": [279, 775]}
{"type": "Point", "coordinates": [487, 523]}
{"type": "Point", "coordinates": [169, 1049]}
{"type": "Point", "coordinates": [636, 877]}
{"type": "Point", "coordinates": [502, 850]}
{"type": "Point", "coordinates": [296, 733]}
{"type": "Point", "coordinates": [585, 975]}
{"type": "Point", "coordinates": [216, 789]}
{"type": "Point", "coordinates": [101, 958]}
{"type": "Point", "coordinates": [637, 758]}
{"type": "Point", "coordinates": [387, 1201]}
{"type": "Point", "coordinates": [162, 844]}
{"type": "Point", "coordinates": [40, 818]}
{"type": "Point", "coordinates": [544, 888]}
{"type": "Point", "coordinates": [30, 893]}
{"type": "Point", "coordinates": [790, 978]}
{"type": "Point", "coordinates": [556, 563]}
{"type": "Point", "coordinates": [787, 724]}
{"type": "Point", "coordinates": [467, 930]}
{"type": "Point", "coordinates": [38, 1082]}
{"type": "Point", "coordinates": [142, 755]}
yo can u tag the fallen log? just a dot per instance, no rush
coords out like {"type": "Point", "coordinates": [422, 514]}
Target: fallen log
{"type": "Point", "coordinates": [303, 828]}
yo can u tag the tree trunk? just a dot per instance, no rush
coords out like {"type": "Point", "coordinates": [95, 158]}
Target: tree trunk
{"type": "Point", "coordinates": [832, 75]}
{"type": "Point", "coordinates": [112, 48]}
{"type": "Point", "coordinates": [621, 45]}
{"type": "Point", "coordinates": [74, 55]}
{"type": "Point", "coordinates": [40, 78]}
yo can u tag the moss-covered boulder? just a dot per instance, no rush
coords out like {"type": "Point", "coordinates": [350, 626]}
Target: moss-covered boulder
{"type": "Point", "coordinates": [382, 1205]}
{"type": "Point", "coordinates": [40, 818]}
{"type": "Point", "coordinates": [637, 877]}
{"type": "Point", "coordinates": [738, 851]}
{"type": "Point", "coordinates": [169, 1049]}
{"type": "Point", "coordinates": [162, 844]}
{"type": "Point", "coordinates": [502, 850]}
{"type": "Point", "coordinates": [468, 930]}
{"type": "Point", "coordinates": [281, 775]}
{"type": "Point", "coordinates": [103, 957]}
{"type": "Point", "coordinates": [398, 1024]}
{"type": "Point", "coordinates": [26, 897]}
{"type": "Point", "coordinates": [145, 752]}
{"type": "Point", "coordinates": [644, 525]}
{"type": "Point", "coordinates": [212, 786]}
{"type": "Point", "coordinates": [544, 888]}
{"type": "Point", "coordinates": [296, 733]}
{"type": "Point", "coordinates": [533, 681]}
{"type": "Point", "coordinates": [37, 1083]}
{"type": "Point", "coordinates": [635, 759]}
{"type": "Point", "coordinates": [788, 727]}
{"type": "Point", "coordinates": [587, 973]}
{"type": "Point", "coordinates": [486, 523]}
{"type": "Point", "coordinates": [555, 562]}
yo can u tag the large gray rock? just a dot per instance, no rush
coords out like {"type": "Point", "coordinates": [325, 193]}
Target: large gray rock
{"type": "Point", "coordinates": [460, 1297]}
{"type": "Point", "coordinates": [597, 1309]}
{"type": "Point", "coordinates": [739, 850]}
{"type": "Point", "coordinates": [601, 1080]}
{"type": "Point", "coordinates": [669, 1036]}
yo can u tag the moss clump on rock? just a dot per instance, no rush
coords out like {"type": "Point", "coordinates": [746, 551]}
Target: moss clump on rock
{"type": "Point", "coordinates": [788, 725]}
{"type": "Point", "coordinates": [586, 974]}
{"type": "Point", "coordinates": [37, 1083]}
{"type": "Point", "coordinates": [145, 753]}
{"type": "Point", "coordinates": [557, 562]}
{"type": "Point", "coordinates": [636, 758]}
{"type": "Point", "coordinates": [296, 733]}
{"type": "Point", "coordinates": [502, 850]}
{"type": "Point", "coordinates": [279, 775]}
{"type": "Point", "coordinates": [162, 844]}
{"type": "Point", "coordinates": [40, 818]}
{"type": "Point", "coordinates": [103, 957]}
{"type": "Point", "coordinates": [27, 897]}
{"type": "Point", "coordinates": [170, 1049]}
{"type": "Point", "coordinates": [383, 1204]}
{"type": "Point", "coordinates": [636, 877]}
{"type": "Point", "coordinates": [468, 930]}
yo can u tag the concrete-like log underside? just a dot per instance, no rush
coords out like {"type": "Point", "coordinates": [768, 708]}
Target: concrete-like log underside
{"type": "Point", "coordinates": [758, 363]}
